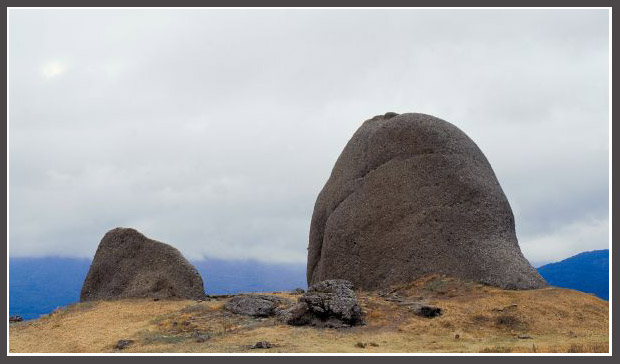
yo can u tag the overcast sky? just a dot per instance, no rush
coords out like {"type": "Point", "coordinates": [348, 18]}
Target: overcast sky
{"type": "Point", "coordinates": [214, 130]}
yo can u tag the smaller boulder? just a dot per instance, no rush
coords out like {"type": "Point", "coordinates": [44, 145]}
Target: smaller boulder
{"type": "Point", "coordinates": [122, 344]}
{"type": "Point", "coordinates": [15, 318]}
{"type": "Point", "coordinates": [262, 345]}
{"type": "Point", "coordinates": [201, 337]}
{"type": "Point", "coordinates": [127, 264]}
{"type": "Point", "coordinates": [256, 305]}
{"type": "Point", "coordinates": [297, 315]}
{"type": "Point", "coordinates": [425, 310]}
{"type": "Point", "coordinates": [330, 303]}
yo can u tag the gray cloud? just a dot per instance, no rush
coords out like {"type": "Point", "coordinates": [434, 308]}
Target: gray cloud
{"type": "Point", "coordinates": [214, 130]}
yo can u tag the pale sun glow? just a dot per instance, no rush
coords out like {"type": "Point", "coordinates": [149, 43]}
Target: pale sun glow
{"type": "Point", "coordinates": [52, 69]}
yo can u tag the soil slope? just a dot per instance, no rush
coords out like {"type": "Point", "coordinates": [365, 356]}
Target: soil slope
{"type": "Point", "coordinates": [476, 318]}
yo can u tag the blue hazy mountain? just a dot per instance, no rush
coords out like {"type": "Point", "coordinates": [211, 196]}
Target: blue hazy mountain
{"type": "Point", "coordinates": [230, 276]}
{"type": "Point", "coordinates": [587, 272]}
{"type": "Point", "coordinates": [38, 285]}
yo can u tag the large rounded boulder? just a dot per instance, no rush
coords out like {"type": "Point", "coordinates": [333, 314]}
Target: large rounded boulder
{"type": "Point", "coordinates": [411, 195]}
{"type": "Point", "coordinates": [127, 264]}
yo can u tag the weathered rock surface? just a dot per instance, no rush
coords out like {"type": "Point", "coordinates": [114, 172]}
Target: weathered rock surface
{"type": "Point", "coordinates": [410, 195]}
{"type": "Point", "coordinates": [127, 264]}
{"type": "Point", "coordinates": [417, 307]}
{"type": "Point", "coordinates": [425, 310]}
{"type": "Point", "coordinates": [202, 337]}
{"type": "Point", "coordinates": [256, 305]}
{"type": "Point", "coordinates": [331, 303]}
{"type": "Point", "coordinates": [262, 345]}
{"type": "Point", "coordinates": [123, 344]}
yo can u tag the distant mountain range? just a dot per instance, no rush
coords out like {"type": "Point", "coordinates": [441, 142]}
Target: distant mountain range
{"type": "Point", "coordinates": [587, 272]}
{"type": "Point", "coordinates": [38, 285]}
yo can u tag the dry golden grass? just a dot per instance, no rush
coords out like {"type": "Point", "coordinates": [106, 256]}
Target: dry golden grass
{"type": "Point", "coordinates": [476, 318]}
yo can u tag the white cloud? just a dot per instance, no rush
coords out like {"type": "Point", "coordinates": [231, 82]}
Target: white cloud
{"type": "Point", "coordinates": [52, 69]}
{"type": "Point", "coordinates": [214, 130]}
{"type": "Point", "coordinates": [566, 240]}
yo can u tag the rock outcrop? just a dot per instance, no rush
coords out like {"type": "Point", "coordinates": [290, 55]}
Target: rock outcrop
{"type": "Point", "coordinates": [331, 303]}
{"type": "Point", "coordinates": [256, 305]}
{"type": "Point", "coordinates": [127, 264]}
{"type": "Point", "coordinates": [15, 318]}
{"type": "Point", "coordinates": [410, 195]}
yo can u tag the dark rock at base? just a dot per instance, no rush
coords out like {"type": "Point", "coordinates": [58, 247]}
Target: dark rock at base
{"type": "Point", "coordinates": [200, 337]}
{"type": "Point", "coordinates": [256, 305]}
{"type": "Point", "coordinates": [262, 345]}
{"type": "Point", "coordinates": [426, 311]}
{"type": "Point", "coordinates": [127, 264]}
{"type": "Point", "coordinates": [331, 303]}
{"type": "Point", "coordinates": [296, 315]}
{"type": "Point", "coordinates": [219, 296]}
{"type": "Point", "coordinates": [411, 195]}
{"type": "Point", "coordinates": [122, 344]}
{"type": "Point", "coordinates": [15, 318]}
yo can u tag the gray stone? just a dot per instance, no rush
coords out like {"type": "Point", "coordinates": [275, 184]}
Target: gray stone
{"type": "Point", "coordinates": [262, 345]}
{"type": "Point", "coordinates": [410, 195]}
{"type": "Point", "coordinates": [200, 337]}
{"type": "Point", "coordinates": [331, 303]}
{"type": "Point", "coordinates": [256, 305]}
{"type": "Point", "coordinates": [425, 310]}
{"type": "Point", "coordinates": [127, 264]}
{"type": "Point", "coordinates": [122, 344]}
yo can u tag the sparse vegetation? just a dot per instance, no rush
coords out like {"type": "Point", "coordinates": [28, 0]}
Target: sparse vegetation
{"type": "Point", "coordinates": [497, 349]}
{"type": "Point", "coordinates": [475, 318]}
{"type": "Point", "coordinates": [588, 348]}
{"type": "Point", "coordinates": [509, 321]}
{"type": "Point", "coordinates": [156, 337]}
{"type": "Point", "coordinates": [73, 308]}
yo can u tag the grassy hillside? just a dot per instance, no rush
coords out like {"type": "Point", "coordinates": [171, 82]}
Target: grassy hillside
{"type": "Point", "coordinates": [476, 318]}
